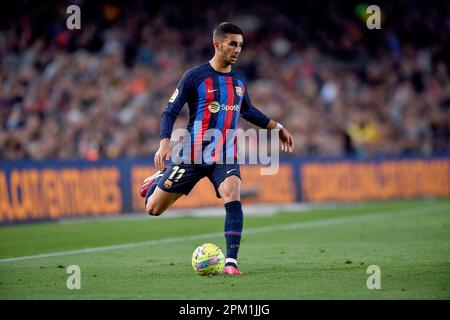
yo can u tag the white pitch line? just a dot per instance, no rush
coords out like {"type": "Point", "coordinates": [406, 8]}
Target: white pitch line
{"type": "Point", "coordinates": [292, 226]}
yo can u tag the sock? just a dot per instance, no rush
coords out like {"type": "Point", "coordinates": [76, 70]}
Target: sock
{"type": "Point", "coordinates": [231, 262]}
{"type": "Point", "coordinates": [151, 189]}
{"type": "Point", "coordinates": [233, 229]}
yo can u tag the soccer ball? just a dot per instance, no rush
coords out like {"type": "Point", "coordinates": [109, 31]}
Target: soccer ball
{"type": "Point", "coordinates": [208, 259]}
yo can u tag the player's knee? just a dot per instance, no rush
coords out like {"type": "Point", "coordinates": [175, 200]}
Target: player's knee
{"type": "Point", "coordinates": [231, 195]}
{"type": "Point", "coordinates": [154, 209]}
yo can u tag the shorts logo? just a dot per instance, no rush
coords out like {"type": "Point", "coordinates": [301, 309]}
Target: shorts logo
{"type": "Point", "coordinates": [174, 96]}
{"type": "Point", "coordinates": [168, 183]}
{"type": "Point", "coordinates": [239, 91]}
{"type": "Point", "coordinates": [214, 107]}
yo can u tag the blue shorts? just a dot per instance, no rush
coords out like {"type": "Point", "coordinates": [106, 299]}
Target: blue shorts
{"type": "Point", "coordinates": [182, 178]}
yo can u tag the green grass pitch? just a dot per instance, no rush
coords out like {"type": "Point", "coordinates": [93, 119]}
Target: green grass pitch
{"type": "Point", "coordinates": [323, 253]}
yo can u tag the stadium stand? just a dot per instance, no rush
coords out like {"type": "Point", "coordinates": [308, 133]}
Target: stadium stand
{"type": "Point", "coordinates": [342, 89]}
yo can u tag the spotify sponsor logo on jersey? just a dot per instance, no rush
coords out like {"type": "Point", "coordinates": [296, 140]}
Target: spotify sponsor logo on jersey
{"type": "Point", "coordinates": [214, 107]}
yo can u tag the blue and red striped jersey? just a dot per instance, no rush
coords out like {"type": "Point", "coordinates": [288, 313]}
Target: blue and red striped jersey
{"type": "Point", "coordinates": [215, 100]}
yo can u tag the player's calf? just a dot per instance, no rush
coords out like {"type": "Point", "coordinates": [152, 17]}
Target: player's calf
{"type": "Point", "coordinates": [149, 185]}
{"type": "Point", "coordinates": [229, 190]}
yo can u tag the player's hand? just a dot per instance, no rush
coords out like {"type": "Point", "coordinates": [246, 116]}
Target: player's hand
{"type": "Point", "coordinates": [162, 154]}
{"type": "Point", "coordinates": [287, 141]}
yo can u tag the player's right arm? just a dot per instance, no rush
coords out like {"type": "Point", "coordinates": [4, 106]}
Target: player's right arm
{"type": "Point", "coordinates": [168, 118]}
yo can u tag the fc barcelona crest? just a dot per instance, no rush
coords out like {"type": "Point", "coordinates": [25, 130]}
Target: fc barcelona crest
{"type": "Point", "coordinates": [238, 91]}
{"type": "Point", "coordinates": [168, 183]}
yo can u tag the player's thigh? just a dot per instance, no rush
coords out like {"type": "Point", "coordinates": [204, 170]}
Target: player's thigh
{"type": "Point", "coordinates": [181, 178]}
{"type": "Point", "coordinates": [226, 179]}
{"type": "Point", "coordinates": [178, 179]}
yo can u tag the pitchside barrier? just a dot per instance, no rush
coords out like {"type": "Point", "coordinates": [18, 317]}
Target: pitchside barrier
{"type": "Point", "coordinates": [37, 191]}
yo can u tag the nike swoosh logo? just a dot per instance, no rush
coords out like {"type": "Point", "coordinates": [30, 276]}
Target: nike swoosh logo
{"type": "Point", "coordinates": [209, 91]}
{"type": "Point", "coordinates": [230, 171]}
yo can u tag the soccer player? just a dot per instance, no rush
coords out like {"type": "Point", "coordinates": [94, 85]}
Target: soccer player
{"type": "Point", "coordinates": [216, 96]}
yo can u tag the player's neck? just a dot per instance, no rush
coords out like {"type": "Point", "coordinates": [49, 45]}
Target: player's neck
{"type": "Point", "coordinates": [219, 66]}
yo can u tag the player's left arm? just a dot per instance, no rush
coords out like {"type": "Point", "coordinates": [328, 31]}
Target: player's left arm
{"type": "Point", "coordinates": [255, 116]}
{"type": "Point", "coordinates": [287, 140]}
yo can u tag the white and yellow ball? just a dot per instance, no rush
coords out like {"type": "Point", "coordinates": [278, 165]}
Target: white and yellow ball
{"type": "Point", "coordinates": [208, 259]}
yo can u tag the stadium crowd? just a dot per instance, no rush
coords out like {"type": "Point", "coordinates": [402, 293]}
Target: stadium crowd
{"type": "Point", "coordinates": [340, 88]}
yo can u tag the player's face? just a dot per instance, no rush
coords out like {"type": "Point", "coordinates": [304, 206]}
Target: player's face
{"type": "Point", "coordinates": [230, 47]}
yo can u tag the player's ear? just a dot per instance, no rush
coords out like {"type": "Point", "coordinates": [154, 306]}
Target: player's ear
{"type": "Point", "coordinates": [216, 44]}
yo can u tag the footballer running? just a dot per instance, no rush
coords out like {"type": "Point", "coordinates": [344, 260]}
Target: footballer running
{"type": "Point", "coordinates": [216, 96]}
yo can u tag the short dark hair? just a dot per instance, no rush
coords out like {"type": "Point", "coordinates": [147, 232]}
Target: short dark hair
{"type": "Point", "coordinates": [224, 28]}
